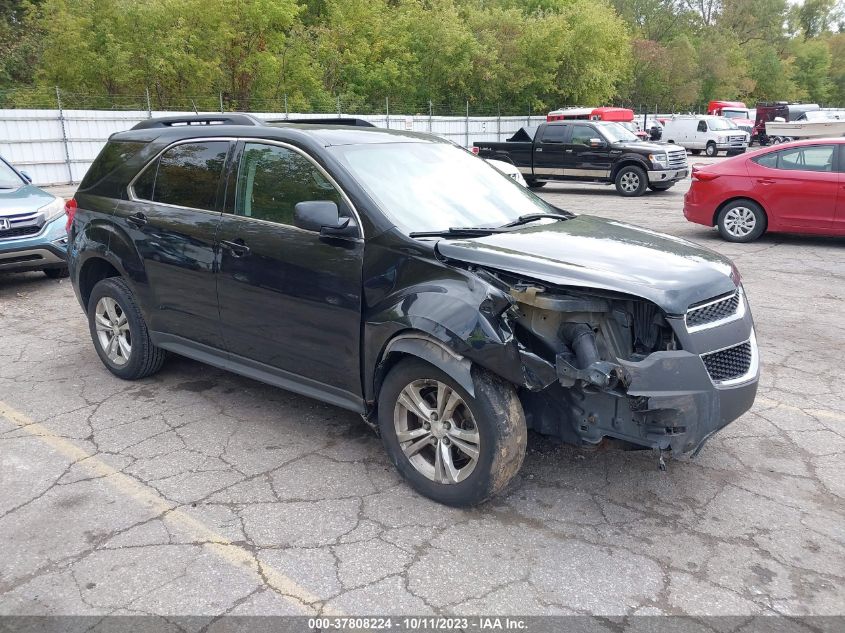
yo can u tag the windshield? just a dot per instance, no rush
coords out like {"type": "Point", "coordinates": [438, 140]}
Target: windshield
{"type": "Point", "coordinates": [8, 178]}
{"type": "Point", "coordinates": [736, 114]}
{"type": "Point", "coordinates": [717, 125]}
{"type": "Point", "coordinates": [615, 133]}
{"type": "Point", "coordinates": [437, 186]}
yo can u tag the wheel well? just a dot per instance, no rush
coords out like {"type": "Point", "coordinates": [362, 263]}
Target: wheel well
{"type": "Point", "coordinates": [92, 272]}
{"type": "Point", "coordinates": [735, 199]}
{"type": "Point", "coordinates": [626, 163]}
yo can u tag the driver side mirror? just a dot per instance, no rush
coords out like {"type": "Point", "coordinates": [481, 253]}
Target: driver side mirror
{"type": "Point", "coordinates": [323, 217]}
{"type": "Point", "coordinates": [597, 143]}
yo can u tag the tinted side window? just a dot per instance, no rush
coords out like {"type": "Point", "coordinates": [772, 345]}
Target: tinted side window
{"type": "Point", "coordinates": [145, 184]}
{"type": "Point", "coordinates": [768, 160]}
{"type": "Point", "coordinates": [272, 180]}
{"type": "Point", "coordinates": [581, 134]}
{"type": "Point", "coordinates": [554, 133]}
{"type": "Point", "coordinates": [702, 126]}
{"type": "Point", "coordinates": [813, 158]}
{"type": "Point", "coordinates": [187, 175]}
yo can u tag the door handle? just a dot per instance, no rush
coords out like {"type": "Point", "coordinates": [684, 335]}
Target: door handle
{"type": "Point", "coordinates": [765, 181]}
{"type": "Point", "coordinates": [138, 219]}
{"type": "Point", "coordinates": [539, 149]}
{"type": "Point", "coordinates": [238, 248]}
{"type": "Point", "coordinates": [568, 151]}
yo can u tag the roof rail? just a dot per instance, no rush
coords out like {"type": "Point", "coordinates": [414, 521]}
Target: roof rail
{"type": "Point", "coordinates": [198, 119]}
{"type": "Point", "coordinates": [326, 121]}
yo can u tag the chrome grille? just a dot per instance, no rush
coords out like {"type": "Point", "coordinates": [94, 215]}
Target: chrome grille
{"type": "Point", "coordinates": [729, 363]}
{"type": "Point", "coordinates": [677, 158]}
{"type": "Point", "coordinates": [713, 311]}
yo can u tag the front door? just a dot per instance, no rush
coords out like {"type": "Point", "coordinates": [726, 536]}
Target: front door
{"type": "Point", "coordinates": [171, 220]}
{"type": "Point", "coordinates": [799, 185]}
{"type": "Point", "coordinates": [290, 300]}
{"type": "Point", "coordinates": [587, 153]}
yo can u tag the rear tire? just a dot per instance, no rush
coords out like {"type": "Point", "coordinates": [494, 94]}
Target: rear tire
{"type": "Point", "coordinates": [120, 333]}
{"type": "Point", "coordinates": [631, 181]}
{"type": "Point", "coordinates": [711, 149]}
{"type": "Point", "coordinates": [534, 184]}
{"type": "Point", "coordinates": [661, 187]}
{"type": "Point", "coordinates": [491, 425]}
{"type": "Point", "coordinates": [741, 221]}
{"type": "Point", "coordinates": [695, 152]}
{"type": "Point", "coordinates": [57, 273]}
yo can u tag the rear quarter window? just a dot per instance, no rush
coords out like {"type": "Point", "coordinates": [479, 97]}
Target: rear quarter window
{"type": "Point", "coordinates": [767, 160]}
{"type": "Point", "coordinates": [106, 176]}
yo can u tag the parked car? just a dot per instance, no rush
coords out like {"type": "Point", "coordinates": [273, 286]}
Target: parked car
{"type": "Point", "coordinates": [510, 170]}
{"type": "Point", "coordinates": [710, 134]}
{"type": "Point", "coordinates": [32, 226]}
{"type": "Point", "coordinates": [395, 275]}
{"type": "Point", "coordinates": [795, 187]}
{"type": "Point", "coordinates": [597, 151]}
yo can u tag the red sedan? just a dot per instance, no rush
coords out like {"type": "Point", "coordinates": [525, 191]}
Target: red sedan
{"type": "Point", "coordinates": [796, 187]}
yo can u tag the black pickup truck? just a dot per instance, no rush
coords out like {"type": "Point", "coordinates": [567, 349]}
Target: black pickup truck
{"type": "Point", "coordinates": [598, 151]}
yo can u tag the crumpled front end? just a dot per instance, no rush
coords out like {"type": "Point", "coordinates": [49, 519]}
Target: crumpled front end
{"type": "Point", "coordinates": [627, 370]}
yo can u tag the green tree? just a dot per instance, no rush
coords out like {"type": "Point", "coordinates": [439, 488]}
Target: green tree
{"type": "Point", "coordinates": [812, 66]}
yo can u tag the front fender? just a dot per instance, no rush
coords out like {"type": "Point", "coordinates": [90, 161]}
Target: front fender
{"type": "Point", "coordinates": [629, 159]}
{"type": "Point", "coordinates": [462, 314]}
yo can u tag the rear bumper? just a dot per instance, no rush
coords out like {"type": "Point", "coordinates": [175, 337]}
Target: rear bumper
{"type": "Point", "coordinates": [47, 249]}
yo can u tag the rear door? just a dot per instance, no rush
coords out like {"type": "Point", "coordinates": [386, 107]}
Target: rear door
{"type": "Point", "coordinates": [582, 159]}
{"type": "Point", "coordinates": [172, 218]}
{"type": "Point", "coordinates": [290, 300]}
{"type": "Point", "coordinates": [799, 186]}
{"type": "Point", "coordinates": [550, 150]}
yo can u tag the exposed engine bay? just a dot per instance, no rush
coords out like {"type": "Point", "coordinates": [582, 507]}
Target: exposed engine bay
{"type": "Point", "coordinates": [622, 372]}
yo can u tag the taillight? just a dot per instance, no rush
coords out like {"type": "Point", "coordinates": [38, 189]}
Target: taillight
{"type": "Point", "coordinates": [475, 150]}
{"type": "Point", "coordinates": [70, 212]}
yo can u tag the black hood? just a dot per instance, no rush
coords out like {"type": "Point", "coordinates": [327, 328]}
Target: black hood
{"type": "Point", "coordinates": [643, 146]}
{"type": "Point", "coordinates": [592, 252]}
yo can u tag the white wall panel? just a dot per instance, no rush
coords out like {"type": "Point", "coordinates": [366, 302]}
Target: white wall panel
{"type": "Point", "coordinates": [34, 140]}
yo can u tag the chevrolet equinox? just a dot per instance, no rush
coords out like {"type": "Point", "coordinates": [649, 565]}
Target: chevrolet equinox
{"type": "Point", "coordinates": [399, 276]}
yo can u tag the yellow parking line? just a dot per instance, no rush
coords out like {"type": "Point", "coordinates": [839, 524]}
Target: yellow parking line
{"type": "Point", "coordinates": [821, 413]}
{"type": "Point", "coordinates": [233, 554]}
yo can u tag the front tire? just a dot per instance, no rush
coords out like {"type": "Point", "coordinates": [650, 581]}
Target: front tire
{"type": "Point", "coordinates": [631, 181]}
{"type": "Point", "coordinates": [711, 149]}
{"type": "Point", "coordinates": [535, 184]}
{"type": "Point", "coordinates": [451, 447]}
{"type": "Point", "coordinates": [741, 221]}
{"type": "Point", "coordinates": [120, 333]}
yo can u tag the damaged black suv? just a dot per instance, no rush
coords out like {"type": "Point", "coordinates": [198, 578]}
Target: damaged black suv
{"type": "Point", "coordinates": [398, 276]}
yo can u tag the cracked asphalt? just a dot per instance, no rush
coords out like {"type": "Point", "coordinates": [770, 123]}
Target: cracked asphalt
{"type": "Point", "coordinates": [198, 492]}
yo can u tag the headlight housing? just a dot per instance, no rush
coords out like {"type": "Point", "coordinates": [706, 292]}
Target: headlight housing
{"type": "Point", "coordinates": [660, 159]}
{"type": "Point", "coordinates": [53, 210]}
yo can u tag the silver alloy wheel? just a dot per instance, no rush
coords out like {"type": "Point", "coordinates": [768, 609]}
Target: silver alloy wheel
{"type": "Point", "coordinates": [740, 222]}
{"type": "Point", "coordinates": [629, 181]}
{"type": "Point", "coordinates": [436, 431]}
{"type": "Point", "coordinates": [113, 331]}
